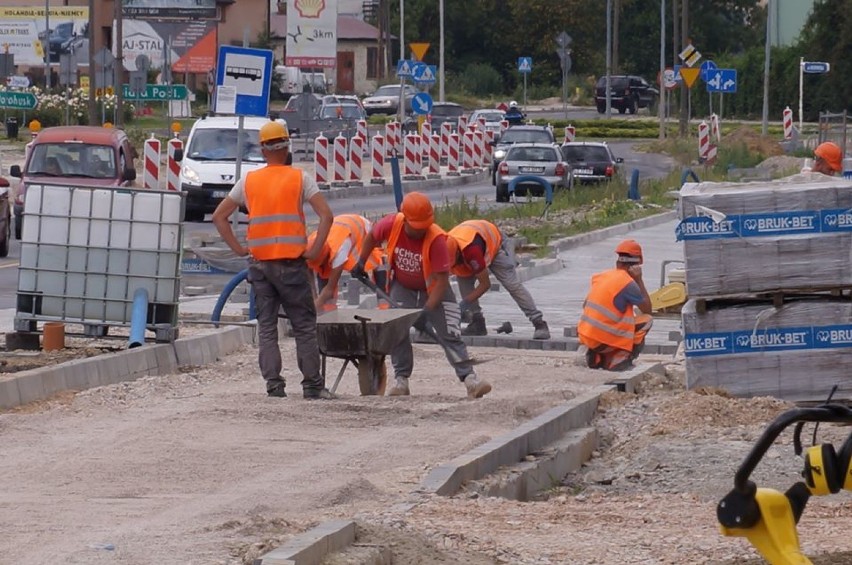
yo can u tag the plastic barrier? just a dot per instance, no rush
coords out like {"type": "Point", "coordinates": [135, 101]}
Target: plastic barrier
{"type": "Point", "coordinates": [151, 175]}
{"type": "Point", "coordinates": [321, 161]}
{"type": "Point", "coordinates": [479, 148]}
{"type": "Point", "coordinates": [435, 154]}
{"type": "Point", "coordinates": [446, 130]}
{"type": "Point", "coordinates": [425, 136]}
{"type": "Point", "coordinates": [462, 124]}
{"type": "Point", "coordinates": [788, 123]}
{"type": "Point", "coordinates": [356, 150]}
{"type": "Point", "coordinates": [409, 160]}
{"type": "Point", "coordinates": [339, 159]}
{"type": "Point", "coordinates": [453, 154]}
{"type": "Point", "coordinates": [173, 166]}
{"type": "Point", "coordinates": [377, 168]}
{"type": "Point", "coordinates": [467, 151]}
{"type": "Point", "coordinates": [703, 140]}
{"type": "Point", "coordinates": [569, 134]}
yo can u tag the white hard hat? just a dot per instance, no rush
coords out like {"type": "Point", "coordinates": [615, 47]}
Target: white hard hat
{"type": "Point", "coordinates": [513, 104]}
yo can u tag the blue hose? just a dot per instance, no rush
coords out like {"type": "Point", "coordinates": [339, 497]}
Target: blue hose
{"type": "Point", "coordinates": [633, 191]}
{"type": "Point", "coordinates": [138, 318]}
{"type": "Point", "coordinates": [688, 173]}
{"type": "Point", "coordinates": [226, 293]}
{"type": "Point", "coordinates": [397, 180]}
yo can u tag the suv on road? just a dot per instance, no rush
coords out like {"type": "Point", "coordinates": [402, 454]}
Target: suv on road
{"type": "Point", "coordinates": [628, 93]}
{"type": "Point", "coordinates": [591, 161]}
{"type": "Point", "coordinates": [513, 135]}
{"type": "Point", "coordinates": [78, 156]}
{"type": "Point", "coordinates": [385, 100]}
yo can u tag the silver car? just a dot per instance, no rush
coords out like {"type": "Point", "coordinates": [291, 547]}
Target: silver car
{"type": "Point", "coordinates": [532, 159]}
{"type": "Point", "coordinates": [386, 99]}
{"type": "Point", "coordinates": [492, 118]}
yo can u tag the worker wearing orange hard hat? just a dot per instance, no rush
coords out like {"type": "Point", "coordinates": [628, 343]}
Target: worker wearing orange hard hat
{"type": "Point", "coordinates": [419, 264]}
{"type": "Point", "coordinates": [612, 332]}
{"type": "Point", "coordinates": [277, 246]}
{"type": "Point", "coordinates": [340, 253]}
{"type": "Point", "coordinates": [828, 159]}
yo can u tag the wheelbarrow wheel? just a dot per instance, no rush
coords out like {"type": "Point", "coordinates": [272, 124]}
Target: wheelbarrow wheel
{"type": "Point", "coordinates": [372, 376]}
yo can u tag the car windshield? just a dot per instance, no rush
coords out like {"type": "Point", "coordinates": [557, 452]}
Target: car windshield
{"type": "Point", "coordinates": [490, 116]}
{"type": "Point", "coordinates": [221, 145]}
{"type": "Point", "coordinates": [447, 111]}
{"type": "Point", "coordinates": [342, 111]}
{"type": "Point", "coordinates": [614, 82]}
{"type": "Point", "coordinates": [585, 153]}
{"type": "Point", "coordinates": [513, 135]}
{"type": "Point", "coordinates": [388, 90]}
{"type": "Point", "coordinates": [531, 154]}
{"type": "Point", "coordinates": [72, 160]}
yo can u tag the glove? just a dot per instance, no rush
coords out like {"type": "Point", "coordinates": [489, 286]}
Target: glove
{"type": "Point", "coordinates": [465, 313]}
{"type": "Point", "coordinates": [421, 321]}
{"type": "Point", "coordinates": [358, 271]}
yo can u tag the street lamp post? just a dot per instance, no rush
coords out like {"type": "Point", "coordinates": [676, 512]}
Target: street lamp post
{"type": "Point", "coordinates": [47, 43]}
{"type": "Point", "coordinates": [441, 51]}
{"type": "Point", "coordinates": [608, 55]}
{"type": "Point", "coordinates": [661, 101]}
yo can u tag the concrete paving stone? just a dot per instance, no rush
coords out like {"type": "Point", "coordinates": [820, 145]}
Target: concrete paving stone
{"type": "Point", "coordinates": [553, 345]}
{"type": "Point", "coordinates": [150, 359]}
{"type": "Point", "coordinates": [166, 358]}
{"type": "Point", "coordinates": [9, 395]}
{"type": "Point", "coordinates": [182, 356]}
{"type": "Point", "coordinates": [53, 379]}
{"type": "Point", "coordinates": [137, 363]}
{"type": "Point", "coordinates": [533, 343]}
{"type": "Point", "coordinates": [30, 386]}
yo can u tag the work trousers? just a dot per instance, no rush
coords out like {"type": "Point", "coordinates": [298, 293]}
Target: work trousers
{"type": "Point", "coordinates": [603, 356]}
{"type": "Point", "coordinates": [504, 270]}
{"type": "Point", "coordinates": [284, 284]}
{"type": "Point", "coordinates": [446, 319]}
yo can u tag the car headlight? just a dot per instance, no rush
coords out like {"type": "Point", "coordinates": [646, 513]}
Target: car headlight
{"type": "Point", "coordinates": [499, 153]}
{"type": "Point", "coordinates": [190, 175]}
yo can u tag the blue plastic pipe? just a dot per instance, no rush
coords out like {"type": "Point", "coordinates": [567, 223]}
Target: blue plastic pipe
{"type": "Point", "coordinates": [633, 191]}
{"type": "Point", "coordinates": [138, 318]}
{"type": "Point", "coordinates": [544, 183]}
{"type": "Point", "coordinates": [397, 180]}
{"type": "Point", "coordinates": [226, 293]}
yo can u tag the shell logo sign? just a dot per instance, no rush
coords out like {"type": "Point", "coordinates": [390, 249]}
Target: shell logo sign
{"type": "Point", "coordinates": [310, 8]}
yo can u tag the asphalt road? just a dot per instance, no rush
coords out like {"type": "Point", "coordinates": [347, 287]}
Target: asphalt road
{"type": "Point", "coordinates": [649, 165]}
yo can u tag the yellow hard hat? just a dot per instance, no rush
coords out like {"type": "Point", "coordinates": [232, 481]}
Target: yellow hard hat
{"type": "Point", "coordinates": [273, 131]}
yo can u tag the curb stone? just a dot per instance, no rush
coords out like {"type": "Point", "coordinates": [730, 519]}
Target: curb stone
{"type": "Point", "coordinates": [604, 233]}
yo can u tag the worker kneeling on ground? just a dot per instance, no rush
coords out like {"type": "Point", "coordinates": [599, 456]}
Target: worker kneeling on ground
{"type": "Point", "coordinates": [608, 328]}
{"type": "Point", "coordinates": [476, 247]}
{"type": "Point", "coordinates": [420, 278]}
{"type": "Point", "coordinates": [341, 252]}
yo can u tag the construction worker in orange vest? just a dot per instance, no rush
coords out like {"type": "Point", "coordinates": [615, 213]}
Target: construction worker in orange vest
{"type": "Point", "coordinates": [612, 333]}
{"type": "Point", "coordinates": [476, 247]}
{"type": "Point", "coordinates": [420, 278]}
{"type": "Point", "coordinates": [276, 242]}
{"type": "Point", "coordinates": [828, 159]}
{"type": "Point", "coordinates": [341, 252]}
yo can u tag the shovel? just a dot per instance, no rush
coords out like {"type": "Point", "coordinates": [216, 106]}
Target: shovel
{"type": "Point", "coordinates": [423, 325]}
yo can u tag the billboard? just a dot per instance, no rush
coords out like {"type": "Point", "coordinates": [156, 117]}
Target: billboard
{"type": "Point", "coordinates": [191, 44]}
{"type": "Point", "coordinates": [311, 33]}
{"type": "Point", "coordinates": [141, 9]}
{"type": "Point", "coordinates": [24, 34]}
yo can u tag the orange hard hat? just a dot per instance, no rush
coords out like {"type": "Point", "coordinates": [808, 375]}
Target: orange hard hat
{"type": "Point", "coordinates": [417, 210]}
{"type": "Point", "coordinates": [315, 264]}
{"type": "Point", "coordinates": [272, 132]}
{"type": "Point", "coordinates": [831, 154]}
{"type": "Point", "coordinates": [629, 249]}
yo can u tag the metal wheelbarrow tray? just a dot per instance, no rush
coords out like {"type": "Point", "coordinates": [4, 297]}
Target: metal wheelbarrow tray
{"type": "Point", "coordinates": [364, 338]}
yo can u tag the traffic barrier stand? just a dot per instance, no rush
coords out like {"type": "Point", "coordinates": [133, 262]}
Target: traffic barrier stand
{"type": "Point", "coordinates": [569, 134]}
{"type": "Point", "coordinates": [426, 135]}
{"type": "Point", "coordinates": [453, 155]}
{"type": "Point", "coordinates": [479, 148]}
{"type": "Point", "coordinates": [715, 132]}
{"type": "Point", "coordinates": [504, 125]}
{"type": "Point", "coordinates": [377, 168]}
{"type": "Point", "coordinates": [788, 123]}
{"type": "Point", "coordinates": [489, 139]}
{"type": "Point", "coordinates": [151, 175]}
{"type": "Point", "coordinates": [338, 178]}
{"type": "Point", "coordinates": [321, 161]}
{"type": "Point", "coordinates": [467, 153]}
{"type": "Point", "coordinates": [356, 152]}
{"type": "Point", "coordinates": [172, 165]}
{"type": "Point", "coordinates": [361, 130]}
{"type": "Point", "coordinates": [703, 140]}
{"type": "Point", "coordinates": [392, 144]}
{"type": "Point", "coordinates": [710, 159]}
{"type": "Point", "coordinates": [435, 156]}
{"type": "Point", "coordinates": [409, 160]}
{"type": "Point", "coordinates": [446, 130]}
{"type": "Point", "coordinates": [462, 125]}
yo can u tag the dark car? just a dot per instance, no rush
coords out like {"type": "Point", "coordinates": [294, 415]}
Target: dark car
{"type": "Point", "coordinates": [591, 161]}
{"type": "Point", "coordinates": [517, 134]}
{"type": "Point", "coordinates": [5, 217]}
{"type": "Point", "coordinates": [628, 93]}
{"type": "Point", "coordinates": [442, 112]}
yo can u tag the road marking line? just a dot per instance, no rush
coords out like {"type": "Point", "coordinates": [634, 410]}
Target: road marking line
{"type": "Point", "coordinates": [9, 265]}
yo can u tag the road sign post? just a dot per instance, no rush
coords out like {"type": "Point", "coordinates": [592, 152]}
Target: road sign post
{"type": "Point", "coordinates": [525, 68]}
{"type": "Point", "coordinates": [563, 40]}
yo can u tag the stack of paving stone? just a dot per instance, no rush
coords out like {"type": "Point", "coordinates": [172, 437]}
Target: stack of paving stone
{"type": "Point", "coordinates": [767, 265]}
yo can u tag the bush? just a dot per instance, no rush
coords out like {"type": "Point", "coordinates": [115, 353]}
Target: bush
{"type": "Point", "coordinates": [52, 108]}
{"type": "Point", "coordinates": [480, 79]}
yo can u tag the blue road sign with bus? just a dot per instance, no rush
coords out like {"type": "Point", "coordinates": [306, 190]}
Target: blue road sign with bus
{"type": "Point", "coordinates": [243, 77]}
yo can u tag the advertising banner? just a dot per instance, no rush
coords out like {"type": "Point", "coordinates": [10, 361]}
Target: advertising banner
{"type": "Point", "coordinates": [192, 44]}
{"type": "Point", "coordinates": [311, 33]}
{"type": "Point", "coordinates": [24, 34]}
{"type": "Point", "coordinates": [157, 9]}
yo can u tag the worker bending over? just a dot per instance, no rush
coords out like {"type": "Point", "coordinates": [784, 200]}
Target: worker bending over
{"type": "Point", "coordinates": [608, 327]}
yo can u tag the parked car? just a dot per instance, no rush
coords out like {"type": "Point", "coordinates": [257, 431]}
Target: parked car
{"type": "Point", "coordinates": [492, 117]}
{"type": "Point", "coordinates": [342, 99]}
{"type": "Point", "coordinates": [446, 112]}
{"type": "Point", "coordinates": [591, 161]}
{"type": "Point", "coordinates": [75, 155]}
{"type": "Point", "coordinates": [209, 162]}
{"type": "Point", "coordinates": [537, 159]}
{"type": "Point", "coordinates": [628, 93]}
{"type": "Point", "coordinates": [5, 217]}
{"type": "Point", "coordinates": [386, 99]}
{"type": "Point", "coordinates": [338, 116]}
{"type": "Point", "coordinates": [513, 135]}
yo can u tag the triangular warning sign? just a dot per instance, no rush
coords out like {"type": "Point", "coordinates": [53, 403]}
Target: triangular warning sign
{"type": "Point", "coordinates": [427, 75]}
{"type": "Point", "coordinates": [419, 49]}
{"type": "Point", "coordinates": [403, 69]}
{"type": "Point", "coordinates": [689, 75]}
{"type": "Point", "coordinates": [525, 65]}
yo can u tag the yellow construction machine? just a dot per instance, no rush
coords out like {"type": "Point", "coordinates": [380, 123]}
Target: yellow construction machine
{"type": "Point", "coordinates": [671, 296]}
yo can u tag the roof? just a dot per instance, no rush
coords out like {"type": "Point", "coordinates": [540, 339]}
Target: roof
{"type": "Point", "coordinates": [211, 122]}
{"type": "Point", "coordinates": [88, 134]}
{"type": "Point", "coordinates": [348, 28]}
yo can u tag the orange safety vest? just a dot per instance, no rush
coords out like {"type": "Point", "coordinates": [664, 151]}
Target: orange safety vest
{"type": "Point", "coordinates": [276, 227]}
{"type": "Point", "coordinates": [465, 233]}
{"type": "Point", "coordinates": [344, 227]}
{"type": "Point", "coordinates": [431, 234]}
{"type": "Point", "coordinates": [600, 321]}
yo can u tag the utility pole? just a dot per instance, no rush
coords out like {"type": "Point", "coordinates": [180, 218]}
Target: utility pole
{"type": "Point", "coordinates": [47, 44]}
{"type": "Point", "coordinates": [684, 91]}
{"type": "Point", "coordinates": [441, 52]}
{"type": "Point", "coordinates": [119, 66]}
{"type": "Point", "coordinates": [608, 57]}
{"type": "Point", "coordinates": [661, 103]}
{"type": "Point", "coordinates": [616, 17]}
{"type": "Point", "coordinates": [93, 107]}
{"type": "Point", "coordinates": [767, 49]}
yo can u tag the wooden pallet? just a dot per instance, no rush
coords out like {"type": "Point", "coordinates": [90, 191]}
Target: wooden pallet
{"type": "Point", "coordinates": [777, 297]}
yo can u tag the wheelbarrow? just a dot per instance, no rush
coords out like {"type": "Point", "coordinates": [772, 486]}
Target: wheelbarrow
{"type": "Point", "coordinates": [363, 338]}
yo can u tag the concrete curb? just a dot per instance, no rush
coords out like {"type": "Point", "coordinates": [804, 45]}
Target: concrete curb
{"type": "Point", "coordinates": [552, 344]}
{"type": "Point", "coordinates": [160, 359]}
{"type": "Point", "coordinates": [601, 234]}
{"type": "Point", "coordinates": [311, 547]}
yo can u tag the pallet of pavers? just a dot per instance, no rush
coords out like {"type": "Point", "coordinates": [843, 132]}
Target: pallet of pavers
{"type": "Point", "coordinates": [791, 234]}
{"type": "Point", "coordinates": [796, 352]}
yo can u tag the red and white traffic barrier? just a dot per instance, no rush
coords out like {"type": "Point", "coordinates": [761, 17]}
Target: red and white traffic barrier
{"type": "Point", "coordinates": [453, 154]}
{"type": "Point", "coordinates": [703, 140]}
{"type": "Point", "coordinates": [489, 139]}
{"type": "Point", "coordinates": [435, 154]}
{"type": "Point", "coordinates": [321, 160]}
{"type": "Point", "coordinates": [715, 131]}
{"type": "Point", "coordinates": [462, 125]}
{"type": "Point", "coordinates": [377, 150]}
{"type": "Point", "coordinates": [426, 135]}
{"type": "Point", "coordinates": [409, 160]}
{"type": "Point", "coordinates": [480, 122]}
{"type": "Point", "coordinates": [569, 134]}
{"type": "Point", "coordinates": [172, 165]}
{"type": "Point", "coordinates": [393, 141]}
{"type": "Point", "coordinates": [339, 174]}
{"type": "Point", "coordinates": [504, 125]}
{"type": "Point", "coordinates": [361, 130]}
{"type": "Point", "coordinates": [151, 175]}
{"type": "Point", "coordinates": [479, 148]}
{"type": "Point", "coordinates": [467, 151]}
{"type": "Point", "coordinates": [446, 130]}
{"type": "Point", "coordinates": [356, 152]}
{"type": "Point", "coordinates": [788, 123]}
{"type": "Point", "coordinates": [711, 154]}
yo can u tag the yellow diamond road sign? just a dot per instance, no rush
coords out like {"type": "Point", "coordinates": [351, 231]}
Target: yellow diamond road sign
{"type": "Point", "coordinates": [689, 55]}
{"type": "Point", "coordinates": [419, 49]}
{"type": "Point", "coordinates": [689, 75]}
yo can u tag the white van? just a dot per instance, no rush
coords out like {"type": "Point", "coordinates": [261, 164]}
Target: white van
{"type": "Point", "coordinates": [209, 166]}
{"type": "Point", "coordinates": [289, 80]}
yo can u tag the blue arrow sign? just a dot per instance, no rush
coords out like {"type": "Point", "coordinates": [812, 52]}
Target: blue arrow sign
{"type": "Point", "coordinates": [425, 74]}
{"type": "Point", "coordinates": [814, 67]}
{"type": "Point", "coordinates": [403, 68]}
{"type": "Point", "coordinates": [706, 67]}
{"type": "Point", "coordinates": [421, 104]}
{"type": "Point", "coordinates": [243, 77]}
{"type": "Point", "coordinates": [525, 64]}
{"type": "Point", "coordinates": [722, 80]}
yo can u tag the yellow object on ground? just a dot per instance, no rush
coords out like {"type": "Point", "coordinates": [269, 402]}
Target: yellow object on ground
{"type": "Point", "coordinates": [670, 296]}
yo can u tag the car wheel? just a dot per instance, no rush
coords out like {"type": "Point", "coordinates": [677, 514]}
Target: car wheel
{"type": "Point", "coordinates": [601, 108]}
{"type": "Point", "coordinates": [503, 193]}
{"type": "Point", "coordinates": [631, 106]}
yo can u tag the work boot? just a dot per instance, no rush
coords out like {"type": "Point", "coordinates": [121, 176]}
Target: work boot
{"type": "Point", "coordinates": [476, 326]}
{"type": "Point", "coordinates": [322, 394]}
{"type": "Point", "coordinates": [541, 330]}
{"type": "Point", "coordinates": [277, 391]}
{"type": "Point", "coordinates": [476, 387]}
{"type": "Point", "coordinates": [400, 388]}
